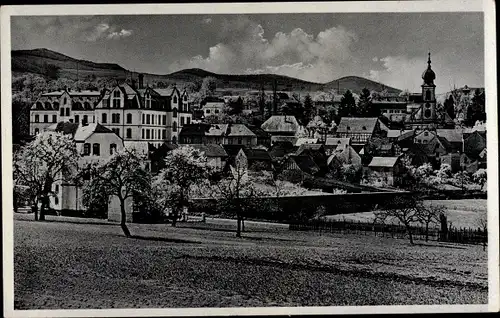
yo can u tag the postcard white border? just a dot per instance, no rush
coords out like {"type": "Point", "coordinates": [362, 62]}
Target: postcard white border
{"type": "Point", "coordinates": [486, 6]}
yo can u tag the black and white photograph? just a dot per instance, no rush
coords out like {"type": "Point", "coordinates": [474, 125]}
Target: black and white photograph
{"type": "Point", "coordinates": [189, 159]}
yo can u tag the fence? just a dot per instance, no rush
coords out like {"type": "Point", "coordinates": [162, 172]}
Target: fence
{"type": "Point", "coordinates": [453, 235]}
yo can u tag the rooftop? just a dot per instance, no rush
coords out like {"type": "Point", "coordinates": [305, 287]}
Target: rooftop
{"type": "Point", "coordinates": [277, 124]}
{"type": "Point", "coordinates": [357, 124]}
{"type": "Point", "coordinates": [211, 150]}
{"type": "Point", "coordinates": [383, 162]}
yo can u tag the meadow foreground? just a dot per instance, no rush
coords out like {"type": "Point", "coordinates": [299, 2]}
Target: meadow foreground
{"type": "Point", "coordinates": [61, 265]}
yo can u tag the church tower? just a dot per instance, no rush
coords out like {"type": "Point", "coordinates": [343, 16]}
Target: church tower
{"type": "Point", "coordinates": [429, 94]}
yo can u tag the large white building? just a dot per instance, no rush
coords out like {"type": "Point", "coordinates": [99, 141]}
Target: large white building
{"type": "Point", "coordinates": [138, 116]}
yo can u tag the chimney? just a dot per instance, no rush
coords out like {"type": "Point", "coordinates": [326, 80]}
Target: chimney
{"type": "Point", "coordinates": [141, 81]}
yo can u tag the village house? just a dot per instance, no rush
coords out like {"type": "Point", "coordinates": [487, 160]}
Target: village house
{"type": "Point", "coordinates": [389, 169]}
{"type": "Point", "coordinates": [254, 159]}
{"type": "Point", "coordinates": [360, 130]}
{"type": "Point", "coordinates": [343, 154]}
{"type": "Point", "coordinates": [332, 143]}
{"type": "Point", "coordinates": [95, 143]}
{"type": "Point", "coordinates": [221, 134]}
{"type": "Point", "coordinates": [281, 125]}
{"type": "Point", "coordinates": [213, 106]}
{"type": "Point", "coordinates": [216, 155]}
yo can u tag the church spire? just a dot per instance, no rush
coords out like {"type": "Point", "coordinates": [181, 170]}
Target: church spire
{"type": "Point", "coordinates": [429, 60]}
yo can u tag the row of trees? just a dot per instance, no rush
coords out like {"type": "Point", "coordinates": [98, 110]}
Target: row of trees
{"type": "Point", "coordinates": [187, 174]}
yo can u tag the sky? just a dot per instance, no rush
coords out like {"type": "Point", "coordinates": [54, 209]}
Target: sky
{"type": "Point", "coordinates": [387, 47]}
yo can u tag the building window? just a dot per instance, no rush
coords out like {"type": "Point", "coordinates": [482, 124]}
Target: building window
{"type": "Point", "coordinates": [56, 200]}
{"type": "Point", "coordinates": [426, 133]}
{"type": "Point", "coordinates": [112, 149]}
{"type": "Point", "coordinates": [115, 118]}
{"type": "Point", "coordinates": [188, 119]}
{"type": "Point", "coordinates": [37, 118]}
{"type": "Point", "coordinates": [174, 139]}
{"type": "Point", "coordinates": [61, 112]}
{"type": "Point", "coordinates": [45, 118]}
{"type": "Point", "coordinates": [96, 149]}
{"type": "Point", "coordinates": [174, 113]}
{"type": "Point", "coordinates": [56, 188]}
{"type": "Point", "coordinates": [164, 119]}
{"type": "Point", "coordinates": [182, 121]}
{"type": "Point", "coordinates": [207, 111]}
{"type": "Point", "coordinates": [142, 133]}
{"type": "Point", "coordinates": [249, 141]}
{"type": "Point", "coordinates": [148, 134]}
{"type": "Point", "coordinates": [175, 99]}
{"type": "Point", "coordinates": [240, 140]}
{"type": "Point", "coordinates": [116, 131]}
{"type": "Point", "coordinates": [164, 134]}
{"type": "Point", "coordinates": [104, 118]}
{"type": "Point", "coordinates": [37, 131]}
{"type": "Point", "coordinates": [86, 149]}
{"type": "Point", "coordinates": [174, 126]}
{"type": "Point", "coordinates": [148, 119]}
{"type": "Point", "coordinates": [148, 101]}
{"type": "Point", "coordinates": [129, 133]}
{"type": "Point", "coordinates": [230, 141]}
{"type": "Point", "coordinates": [77, 119]}
{"type": "Point", "coordinates": [427, 95]}
{"type": "Point", "coordinates": [116, 99]}
{"type": "Point", "coordinates": [54, 118]}
{"type": "Point", "coordinates": [67, 111]}
{"type": "Point", "coordinates": [129, 118]}
{"type": "Point", "coordinates": [216, 111]}
{"type": "Point", "coordinates": [85, 119]}
{"type": "Point", "coordinates": [65, 101]}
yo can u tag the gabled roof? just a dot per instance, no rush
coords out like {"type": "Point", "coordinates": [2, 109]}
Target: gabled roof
{"type": "Point", "coordinates": [216, 130]}
{"type": "Point", "coordinates": [383, 162]}
{"type": "Point", "coordinates": [256, 154]}
{"type": "Point", "coordinates": [277, 124]}
{"type": "Point", "coordinates": [306, 164]}
{"type": "Point", "coordinates": [333, 141]}
{"type": "Point", "coordinates": [395, 133]}
{"type": "Point", "coordinates": [259, 132]}
{"type": "Point", "coordinates": [453, 135]}
{"type": "Point", "coordinates": [166, 92]}
{"type": "Point", "coordinates": [238, 130]}
{"type": "Point", "coordinates": [445, 143]}
{"type": "Point", "coordinates": [301, 141]}
{"type": "Point", "coordinates": [211, 150]}
{"type": "Point", "coordinates": [280, 149]}
{"type": "Point", "coordinates": [72, 93]}
{"type": "Point", "coordinates": [233, 150]}
{"type": "Point", "coordinates": [277, 139]}
{"type": "Point", "coordinates": [194, 129]}
{"type": "Point", "coordinates": [308, 147]}
{"type": "Point", "coordinates": [84, 132]}
{"type": "Point", "coordinates": [357, 124]}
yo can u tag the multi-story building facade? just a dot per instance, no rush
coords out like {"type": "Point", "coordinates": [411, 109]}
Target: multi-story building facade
{"type": "Point", "coordinates": [139, 116]}
{"type": "Point", "coordinates": [63, 105]}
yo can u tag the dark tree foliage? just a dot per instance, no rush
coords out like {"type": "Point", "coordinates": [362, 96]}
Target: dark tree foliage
{"type": "Point", "coordinates": [235, 107]}
{"type": "Point", "coordinates": [347, 105]}
{"type": "Point", "coordinates": [365, 105]}
{"type": "Point", "coordinates": [449, 106]}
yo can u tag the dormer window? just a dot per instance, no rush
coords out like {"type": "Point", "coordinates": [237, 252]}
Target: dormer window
{"type": "Point", "coordinates": [364, 127]}
{"type": "Point", "coordinates": [148, 101]}
{"type": "Point", "coordinates": [116, 99]}
{"type": "Point", "coordinates": [175, 99]}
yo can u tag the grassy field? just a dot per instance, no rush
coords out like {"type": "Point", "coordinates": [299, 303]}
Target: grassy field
{"type": "Point", "coordinates": [72, 265]}
{"type": "Point", "coordinates": [461, 213]}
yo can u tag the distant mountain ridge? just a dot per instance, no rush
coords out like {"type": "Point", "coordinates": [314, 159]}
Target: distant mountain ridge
{"type": "Point", "coordinates": [37, 61]}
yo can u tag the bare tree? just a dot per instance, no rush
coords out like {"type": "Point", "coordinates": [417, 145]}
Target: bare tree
{"type": "Point", "coordinates": [429, 214]}
{"type": "Point", "coordinates": [404, 209]}
{"type": "Point", "coordinates": [123, 176]}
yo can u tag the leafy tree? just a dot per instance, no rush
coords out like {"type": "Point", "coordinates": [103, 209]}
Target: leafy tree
{"type": "Point", "coordinates": [351, 173]}
{"type": "Point", "coordinates": [50, 70]}
{"type": "Point", "coordinates": [208, 86]}
{"type": "Point", "coordinates": [449, 106]}
{"type": "Point", "coordinates": [347, 105]}
{"type": "Point", "coordinates": [308, 109]}
{"type": "Point", "coordinates": [235, 107]}
{"type": "Point", "coordinates": [121, 175]}
{"type": "Point", "coordinates": [365, 105]}
{"type": "Point", "coordinates": [185, 167]}
{"type": "Point", "coordinates": [480, 177]}
{"type": "Point", "coordinates": [51, 157]}
{"type": "Point", "coordinates": [404, 209]}
{"type": "Point", "coordinates": [444, 171]}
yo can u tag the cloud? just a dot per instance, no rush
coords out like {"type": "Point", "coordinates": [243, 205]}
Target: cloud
{"type": "Point", "coordinates": [244, 48]}
{"type": "Point", "coordinates": [375, 59]}
{"type": "Point", "coordinates": [97, 32]}
{"type": "Point", "coordinates": [118, 35]}
{"type": "Point", "coordinates": [207, 21]}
